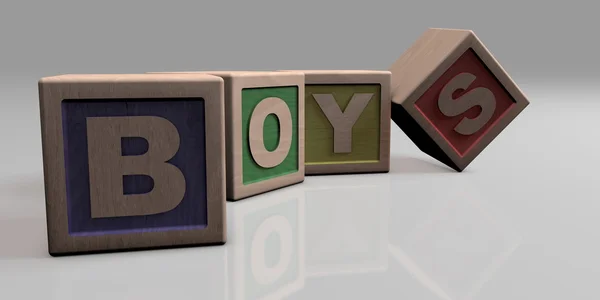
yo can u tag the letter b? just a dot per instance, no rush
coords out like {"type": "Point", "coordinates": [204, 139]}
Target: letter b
{"type": "Point", "coordinates": [107, 166]}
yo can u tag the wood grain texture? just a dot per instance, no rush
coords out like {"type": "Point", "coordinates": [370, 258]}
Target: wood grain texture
{"type": "Point", "coordinates": [368, 151]}
{"type": "Point", "coordinates": [451, 96]}
{"type": "Point", "coordinates": [258, 180]}
{"type": "Point", "coordinates": [325, 133]}
{"type": "Point", "coordinates": [142, 93]}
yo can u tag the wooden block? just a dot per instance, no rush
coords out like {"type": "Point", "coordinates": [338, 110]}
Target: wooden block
{"type": "Point", "coordinates": [347, 121]}
{"type": "Point", "coordinates": [133, 161]}
{"type": "Point", "coordinates": [451, 97]}
{"type": "Point", "coordinates": [264, 129]}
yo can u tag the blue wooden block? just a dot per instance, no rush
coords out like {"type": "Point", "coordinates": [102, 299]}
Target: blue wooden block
{"type": "Point", "coordinates": [133, 161]}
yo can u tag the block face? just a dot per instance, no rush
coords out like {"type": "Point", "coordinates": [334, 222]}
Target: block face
{"type": "Point", "coordinates": [365, 133]}
{"type": "Point", "coordinates": [186, 115]}
{"type": "Point", "coordinates": [479, 83]}
{"type": "Point", "coordinates": [252, 172]}
{"type": "Point", "coordinates": [451, 96]}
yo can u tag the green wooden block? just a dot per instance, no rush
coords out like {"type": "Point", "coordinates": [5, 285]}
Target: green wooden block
{"type": "Point", "coordinates": [264, 115]}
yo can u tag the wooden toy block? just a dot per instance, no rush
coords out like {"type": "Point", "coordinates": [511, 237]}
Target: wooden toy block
{"type": "Point", "coordinates": [267, 260]}
{"type": "Point", "coordinates": [347, 121]}
{"type": "Point", "coordinates": [264, 129]}
{"type": "Point", "coordinates": [133, 161]}
{"type": "Point", "coordinates": [451, 97]}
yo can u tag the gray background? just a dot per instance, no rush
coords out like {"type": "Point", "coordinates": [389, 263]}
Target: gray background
{"type": "Point", "coordinates": [532, 39]}
{"type": "Point", "coordinates": [539, 43]}
{"type": "Point", "coordinates": [520, 223]}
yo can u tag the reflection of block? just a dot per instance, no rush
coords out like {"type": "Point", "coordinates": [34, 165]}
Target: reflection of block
{"type": "Point", "coordinates": [265, 130]}
{"type": "Point", "coordinates": [267, 258]}
{"type": "Point", "coordinates": [451, 97]}
{"type": "Point", "coordinates": [200, 275]}
{"type": "Point", "coordinates": [130, 162]}
{"type": "Point", "coordinates": [458, 246]}
{"type": "Point", "coordinates": [347, 121]}
{"type": "Point", "coordinates": [347, 232]}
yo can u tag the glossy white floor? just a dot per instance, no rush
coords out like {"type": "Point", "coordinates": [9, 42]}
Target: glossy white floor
{"type": "Point", "coordinates": [521, 223]}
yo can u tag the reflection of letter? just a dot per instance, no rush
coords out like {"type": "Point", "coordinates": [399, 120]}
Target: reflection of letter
{"type": "Point", "coordinates": [268, 259]}
{"type": "Point", "coordinates": [263, 157]}
{"type": "Point", "coordinates": [342, 122]}
{"type": "Point", "coordinates": [480, 96]}
{"type": "Point", "coordinates": [264, 274]}
{"type": "Point", "coordinates": [107, 166]}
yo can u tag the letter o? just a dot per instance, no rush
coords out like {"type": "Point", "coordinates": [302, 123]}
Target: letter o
{"type": "Point", "coordinates": [262, 156]}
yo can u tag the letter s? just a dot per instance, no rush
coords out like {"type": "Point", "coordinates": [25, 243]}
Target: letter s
{"type": "Point", "coordinates": [480, 96]}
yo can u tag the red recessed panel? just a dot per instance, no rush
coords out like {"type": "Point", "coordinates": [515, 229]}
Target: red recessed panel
{"type": "Point", "coordinates": [469, 62]}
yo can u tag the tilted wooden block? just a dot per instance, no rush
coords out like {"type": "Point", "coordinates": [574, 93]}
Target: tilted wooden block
{"type": "Point", "coordinates": [264, 130]}
{"type": "Point", "coordinates": [133, 161]}
{"type": "Point", "coordinates": [347, 121]}
{"type": "Point", "coordinates": [451, 97]}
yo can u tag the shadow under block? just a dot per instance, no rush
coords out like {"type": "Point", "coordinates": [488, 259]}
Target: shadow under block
{"type": "Point", "coordinates": [133, 162]}
{"type": "Point", "coordinates": [264, 130]}
{"type": "Point", "coordinates": [451, 97]}
{"type": "Point", "coordinates": [347, 116]}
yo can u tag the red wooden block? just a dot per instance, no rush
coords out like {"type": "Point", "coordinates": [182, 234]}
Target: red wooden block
{"type": "Point", "coordinates": [451, 97]}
